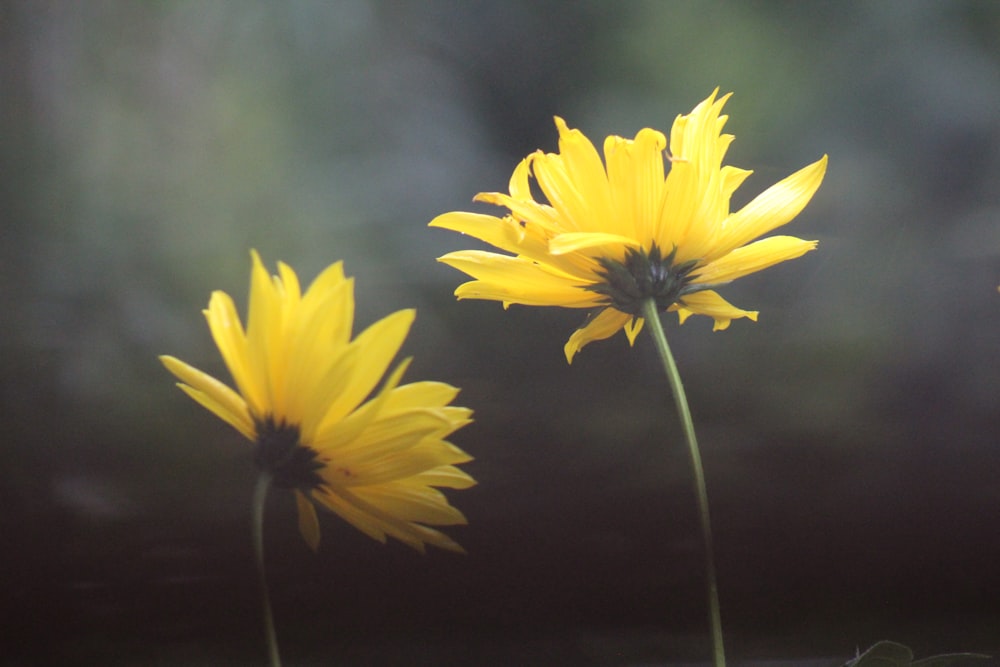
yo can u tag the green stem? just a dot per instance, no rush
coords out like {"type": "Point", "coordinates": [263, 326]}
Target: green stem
{"type": "Point", "coordinates": [259, 496]}
{"type": "Point", "coordinates": [652, 318]}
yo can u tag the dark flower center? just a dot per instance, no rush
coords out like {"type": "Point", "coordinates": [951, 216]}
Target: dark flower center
{"type": "Point", "coordinates": [279, 451]}
{"type": "Point", "coordinates": [645, 275]}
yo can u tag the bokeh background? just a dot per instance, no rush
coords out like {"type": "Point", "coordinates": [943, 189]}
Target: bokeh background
{"type": "Point", "coordinates": [849, 437]}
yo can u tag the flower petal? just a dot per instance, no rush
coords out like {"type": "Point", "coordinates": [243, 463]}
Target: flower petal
{"type": "Point", "coordinates": [212, 394]}
{"type": "Point", "coordinates": [446, 476]}
{"type": "Point", "coordinates": [227, 332]}
{"type": "Point", "coordinates": [604, 325]}
{"type": "Point", "coordinates": [517, 236]}
{"type": "Point", "coordinates": [352, 515]}
{"type": "Point", "coordinates": [218, 410]}
{"type": "Point", "coordinates": [377, 523]}
{"type": "Point", "coordinates": [420, 504]}
{"type": "Point", "coordinates": [575, 182]}
{"type": "Point", "coordinates": [265, 351]}
{"type": "Point", "coordinates": [635, 175]}
{"type": "Point", "coordinates": [632, 329]}
{"type": "Point", "coordinates": [424, 394]}
{"type": "Point", "coordinates": [517, 280]}
{"type": "Point", "coordinates": [377, 346]}
{"type": "Point", "coordinates": [308, 522]}
{"type": "Point", "coordinates": [774, 207]}
{"type": "Point", "coordinates": [754, 257]}
{"type": "Point", "coordinates": [335, 430]}
{"type": "Point", "coordinates": [316, 327]}
{"type": "Point", "coordinates": [614, 244]}
{"type": "Point", "coordinates": [415, 460]}
{"type": "Point", "coordinates": [387, 436]}
{"type": "Point", "coordinates": [711, 304]}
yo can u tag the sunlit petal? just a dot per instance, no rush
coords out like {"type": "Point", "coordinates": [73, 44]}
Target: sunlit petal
{"type": "Point", "coordinates": [580, 241]}
{"type": "Point", "coordinates": [774, 207]}
{"type": "Point", "coordinates": [516, 280]}
{"type": "Point", "coordinates": [754, 257]}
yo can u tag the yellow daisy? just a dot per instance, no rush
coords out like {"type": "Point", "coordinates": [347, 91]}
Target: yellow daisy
{"type": "Point", "coordinates": [305, 397]}
{"type": "Point", "coordinates": [615, 233]}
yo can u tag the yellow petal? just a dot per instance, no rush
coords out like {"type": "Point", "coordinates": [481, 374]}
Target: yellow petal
{"type": "Point", "coordinates": [376, 347]}
{"type": "Point", "coordinates": [507, 295]}
{"type": "Point", "coordinates": [575, 182]}
{"type": "Point", "coordinates": [503, 233]}
{"type": "Point", "coordinates": [607, 323]}
{"type": "Point", "coordinates": [333, 294]}
{"type": "Point", "coordinates": [377, 523]}
{"type": "Point", "coordinates": [338, 375]}
{"type": "Point", "coordinates": [308, 522]}
{"type": "Point", "coordinates": [711, 304]}
{"type": "Point", "coordinates": [696, 190]}
{"type": "Point", "coordinates": [520, 181]}
{"type": "Point", "coordinates": [774, 207]}
{"type": "Point", "coordinates": [635, 175]}
{"type": "Point", "coordinates": [420, 394]}
{"type": "Point", "coordinates": [352, 515]}
{"type": "Point", "coordinates": [334, 429]}
{"type": "Point", "coordinates": [385, 436]}
{"type": "Point", "coordinates": [410, 503]}
{"type": "Point", "coordinates": [288, 282]}
{"type": "Point", "coordinates": [219, 410]}
{"type": "Point", "coordinates": [516, 280]}
{"type": "Point", "coordinates": [227, 332]}
{"type": "Point", "coordinates": [214, 395]}
{"type": "Point", "coordinates": [613, 244]}
{"type": "Point", "coordinates": [632, 329]}
{"type": "Point", "coordinates": [396, 466]}
{"type": "Point", "coordinates": [265, 351]}
{"type": "Point", "coordinates": [318, 345]}
{"type": "Point", "coordinates": [446, 476]}
{"type": "Point", "coordinates": [754, 257]}
{"type": "Point", "coordinates": [732, 178]}
{"type": "Point", "coordinates": [526, 237]}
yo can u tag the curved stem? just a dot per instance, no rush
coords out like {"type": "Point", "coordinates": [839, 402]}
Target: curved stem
{"type": "Point", "coordinates": [652, 318]}
{"type": "Point", "coordinates": [259, 496]}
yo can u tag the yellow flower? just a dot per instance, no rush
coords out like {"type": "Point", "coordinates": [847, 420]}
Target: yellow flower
{"type": "Point", "coordinates": [617, 232]}
{"type": "Point", "coordinates": [305, 398]}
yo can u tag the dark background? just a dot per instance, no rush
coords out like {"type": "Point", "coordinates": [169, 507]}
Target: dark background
{"type": "Point", "coordinates": [849, 437]}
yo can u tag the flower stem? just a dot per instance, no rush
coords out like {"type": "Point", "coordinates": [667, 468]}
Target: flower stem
{"type": "Point", "coordinates": [259, 496]}
{"type": "Point", "coordinates": [652, 318]}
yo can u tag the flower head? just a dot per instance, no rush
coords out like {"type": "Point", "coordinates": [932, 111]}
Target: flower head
{"type": "Point", "coordinates": [305, 396]}
{"type": "Point", "coordinates": [615, 233]}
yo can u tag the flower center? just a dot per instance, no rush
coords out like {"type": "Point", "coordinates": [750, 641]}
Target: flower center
{"type": "Point", "coordinates": [279, 452]}
{"type": "Point", "coordinates": [645, 275]}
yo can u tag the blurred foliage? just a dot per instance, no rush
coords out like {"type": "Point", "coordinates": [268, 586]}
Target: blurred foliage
{"type": "Point", "coordinates": [149, 145]}
{"type": "Point", "coordinates": [891, 654]}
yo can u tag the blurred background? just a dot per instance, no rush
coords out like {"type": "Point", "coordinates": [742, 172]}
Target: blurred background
{"type": "Point", "coordinates": [849, 437]}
